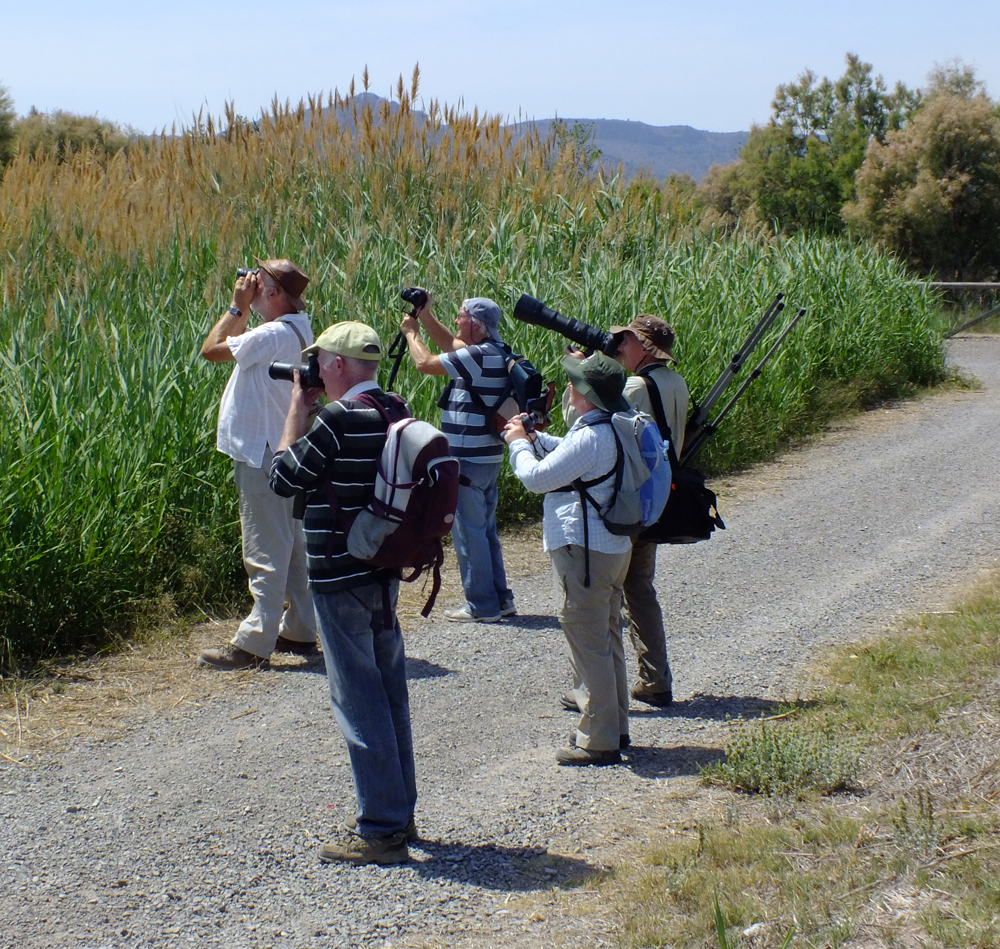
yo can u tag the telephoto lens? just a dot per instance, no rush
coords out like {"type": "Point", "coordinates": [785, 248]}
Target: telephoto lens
{"type": "Point", "coordinates": [535, 313]}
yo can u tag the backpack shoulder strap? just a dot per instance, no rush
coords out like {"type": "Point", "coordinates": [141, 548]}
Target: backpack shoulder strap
{"type": "Point", "coordinates": [659, 415]}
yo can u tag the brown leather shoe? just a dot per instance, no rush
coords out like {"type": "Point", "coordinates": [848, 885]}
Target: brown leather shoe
{"type": "Point", "coordinates": [644, 693]}
{"type": "Point", "coordinates": [296, 648]}
{"type": "Point", "coordinates": [353, 848]}
{"type": "Point", "coordinates": [231, 658]}
{"type": "Point", "coordinates": [586, 756]}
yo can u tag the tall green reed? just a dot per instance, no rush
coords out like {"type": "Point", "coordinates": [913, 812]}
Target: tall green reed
{"type": "Point", "coordinates": [119, 507]}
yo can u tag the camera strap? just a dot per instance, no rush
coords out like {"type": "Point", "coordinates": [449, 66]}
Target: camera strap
{"type": "Point", "coordinates": [295, 330]}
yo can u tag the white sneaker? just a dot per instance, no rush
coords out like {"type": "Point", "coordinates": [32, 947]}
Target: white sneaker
{"type": "Point", "coordinates": [464, 615]}
{"type": "Point", "coordinates": [508, 609]}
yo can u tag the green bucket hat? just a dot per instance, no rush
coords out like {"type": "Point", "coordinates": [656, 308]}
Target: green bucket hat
{"type": "Point", "coordinates": [600, 379]}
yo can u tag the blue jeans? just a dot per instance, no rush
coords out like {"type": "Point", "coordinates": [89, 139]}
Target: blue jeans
{"type": "Point", "coordinates": [477, 546]}
{"type": "Point", "coordinates": [366, 668]}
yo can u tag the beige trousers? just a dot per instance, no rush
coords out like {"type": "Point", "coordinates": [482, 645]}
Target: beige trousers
{"type": "Point", "coordinates": [645, 619]}
{"type": "Point", "coordinates": [592, 623]}
{"type": "Point", "coordinates": [274, 555]}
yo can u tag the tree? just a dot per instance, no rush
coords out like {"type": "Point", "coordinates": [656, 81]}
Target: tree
{"type": "Point", "coordinates": [798, 170]}
{"type": "Point", "coordinates": [931, 192]}
{"type": "Point", "coordinates": [8, 137]}
{"type": "Point", "coordinates": [63, 133]}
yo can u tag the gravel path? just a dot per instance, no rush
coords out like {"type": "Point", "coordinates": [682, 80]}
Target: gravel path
{"type": "Point", "coordinates": [200, 826]}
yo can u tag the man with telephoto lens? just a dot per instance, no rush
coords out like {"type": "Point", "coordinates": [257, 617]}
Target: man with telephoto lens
{"type": "Point", "coordinates": [644, 349]}
{"type": "Point", "coordinates": [251, 419]}
{"type": "Point", "coordinates": [474, 359]}
{"type": "Point", "coordinates": [588, 561]}
{"type": "Point", "coordinates": [335, 461]}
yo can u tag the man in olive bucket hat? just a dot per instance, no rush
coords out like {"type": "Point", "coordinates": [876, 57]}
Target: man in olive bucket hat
{"type": "Point", "coordinates": [645, 350]}
{"type": "Point", "coordinates": [251, 420]}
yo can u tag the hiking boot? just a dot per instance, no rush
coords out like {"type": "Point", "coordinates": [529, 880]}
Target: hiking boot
{"type": "Point", "coordinates": [508, 609]}
{"type": "Point", "coordinates": [409, 832]}
{"type": "Point", "coordinates": [307, 650]}
{"type": "Point", "coordinates": [231, 658]}
{"type": "Point", "coordinates": [624, 741]}
{"type": "Point", "coordinates": [644, 693]}
{"type": "Point", "coordinates": [464, 615]}
{"type": "Point", "coordinates": [569, 703]}
{"type": "Point", "coordinates": [585, 756]}
{"type": "Point", "coordinates": [386, 851]}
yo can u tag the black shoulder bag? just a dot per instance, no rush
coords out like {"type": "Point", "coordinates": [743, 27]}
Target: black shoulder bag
{"type": "Point", "coordinates": [691, 513]}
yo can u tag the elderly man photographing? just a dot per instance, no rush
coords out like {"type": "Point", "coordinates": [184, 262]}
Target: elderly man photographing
{"type": "Point", "coordinates": [474, 358]}
{"type": "Point", "coordinates": [334, 462]}
{"type": "Point", "coordinates": [251, 419]}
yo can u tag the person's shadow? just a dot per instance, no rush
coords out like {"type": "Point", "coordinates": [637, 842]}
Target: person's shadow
{"type": "Point", "coordinates": [494, 867]}
{"type": "Point", "coordinates": [670, 762]}
{"type": "Point", "coordinates": [716, 707]}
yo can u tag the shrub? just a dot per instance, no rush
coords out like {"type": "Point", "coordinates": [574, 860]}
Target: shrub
{"type": "Point", "coordinates": [771, 758]}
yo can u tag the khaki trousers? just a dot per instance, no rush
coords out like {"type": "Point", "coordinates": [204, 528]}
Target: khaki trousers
{"type": "Point", "coordinates": [645, 619]}
{"type": "Point", "coordinates": [591, 621]}
{"type": "Point", "coordinates": [274, 555]}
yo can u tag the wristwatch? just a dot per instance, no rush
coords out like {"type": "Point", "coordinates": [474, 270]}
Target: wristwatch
{"type": "Point", "coordinates": [235, 311]}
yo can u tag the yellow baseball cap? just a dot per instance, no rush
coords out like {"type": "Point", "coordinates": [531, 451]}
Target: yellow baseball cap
{"type": "Point", "coordinates": [349, 338]}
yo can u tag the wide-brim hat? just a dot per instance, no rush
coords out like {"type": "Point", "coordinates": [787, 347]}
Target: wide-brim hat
{"type": "Point", "coordinates": [349, 338]}
{"type": "Point", "coordinates": [655, 335]}
{"type": "Point", "coordinates": [598, 378]}
{"type": "Point", "coordinates": [286, 274]}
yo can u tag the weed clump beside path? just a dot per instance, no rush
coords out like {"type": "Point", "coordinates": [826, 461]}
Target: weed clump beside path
{"type": "Point", "coordinates": [910, 857]}
{"type": "Point", "coordinates": [121, 512]}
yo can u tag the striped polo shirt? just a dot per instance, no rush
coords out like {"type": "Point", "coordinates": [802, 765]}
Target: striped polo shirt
{"type": "Point", "coordinates": [482, 369]}
{"type": "Point", "coordinates": [335, 463]}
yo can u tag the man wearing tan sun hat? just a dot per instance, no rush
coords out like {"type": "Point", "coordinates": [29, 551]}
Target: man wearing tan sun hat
{"type": "Point", "coordinates": [251, 420]}
{"type": "Point", "coordinates": [656, 388]}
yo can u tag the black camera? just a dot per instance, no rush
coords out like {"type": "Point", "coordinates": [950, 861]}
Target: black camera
{"type": "Point", "coordinates": [308, 372]}
{"type": "Point", "coordinates": [414, 296]}
{"type": "Point", "coordinates": [534, 312]}
{"type": "Point", "coordinates": [245, 271]}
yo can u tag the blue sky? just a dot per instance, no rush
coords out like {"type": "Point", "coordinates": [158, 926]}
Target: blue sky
{"type": "Point", "coordinates": [713, 66]}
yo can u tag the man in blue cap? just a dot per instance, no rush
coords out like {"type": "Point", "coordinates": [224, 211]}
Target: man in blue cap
{"type": "Point", "coordinates": [474, 357]}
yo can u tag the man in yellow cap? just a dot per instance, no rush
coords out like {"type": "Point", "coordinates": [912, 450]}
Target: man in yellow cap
{"type": "Point", "coordinates": [334, 461]}
{"type": "Point", "coordinates": [251, 417]}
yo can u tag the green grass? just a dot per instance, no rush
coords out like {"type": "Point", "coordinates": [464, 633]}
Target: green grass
{"type": "Point", "coordinates": [912, 864]}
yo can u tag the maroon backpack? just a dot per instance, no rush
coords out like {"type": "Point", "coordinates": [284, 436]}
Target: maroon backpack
{"type": "Point", "coordinates": [413, 506]}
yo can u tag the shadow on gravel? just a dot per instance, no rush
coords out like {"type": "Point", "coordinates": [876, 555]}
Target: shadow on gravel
{"type": "Point", "coordinates": [422, 669]}
{"type": "Point", "coordinates": [671, 762]}
{"type": "Point", "coordinates": [492, 867]}
{"type": "Point", "coordinates": [536, 621]}
{"type": "Point", "coordinates": [716, 707]}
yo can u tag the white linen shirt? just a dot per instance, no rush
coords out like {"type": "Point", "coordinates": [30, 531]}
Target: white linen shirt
{"type": "Point", "coordinates": [254, 406]}
{"type": "Point", "coordinates": [586, 452]}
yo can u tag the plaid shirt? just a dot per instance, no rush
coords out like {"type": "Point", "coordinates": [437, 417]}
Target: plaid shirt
{"type": "Point", "coordinates": [551, 463]}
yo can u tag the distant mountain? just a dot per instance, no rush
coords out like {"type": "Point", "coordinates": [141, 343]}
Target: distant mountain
{"type": "Point", "coordinates": [660, 149]}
